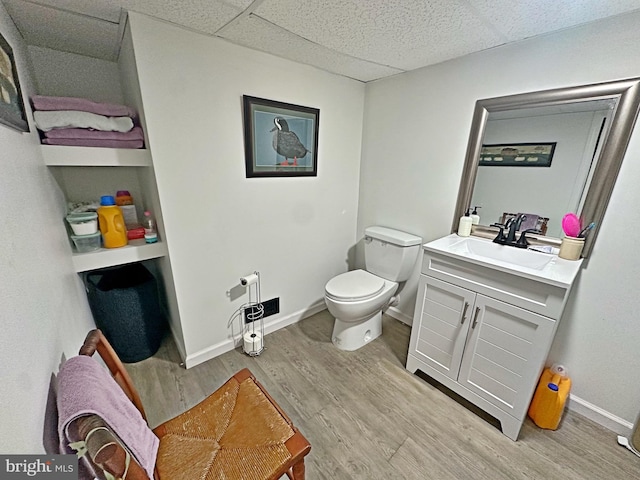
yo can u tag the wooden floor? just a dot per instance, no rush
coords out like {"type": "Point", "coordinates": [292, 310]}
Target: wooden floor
{"type": "Point", "coordinates": [368, 418]}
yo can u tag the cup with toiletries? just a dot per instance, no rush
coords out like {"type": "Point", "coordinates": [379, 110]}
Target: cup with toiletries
{"type": "Point", "coordinates": [575, 236]}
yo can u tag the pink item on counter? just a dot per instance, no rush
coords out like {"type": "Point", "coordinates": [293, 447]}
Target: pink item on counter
{"type": "Point", "coordinates": [571, 225]}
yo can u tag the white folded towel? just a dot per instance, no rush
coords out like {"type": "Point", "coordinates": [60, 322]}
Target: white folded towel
{"type": "Point", "coordinates": [48, 120]}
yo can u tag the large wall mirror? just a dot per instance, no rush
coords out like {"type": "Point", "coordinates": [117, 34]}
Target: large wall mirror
{"type": "Point", "coordinates": [547, 153]}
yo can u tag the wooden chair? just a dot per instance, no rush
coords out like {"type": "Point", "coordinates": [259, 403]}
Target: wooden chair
{"type": "Point", "coordinates": [238, 432]}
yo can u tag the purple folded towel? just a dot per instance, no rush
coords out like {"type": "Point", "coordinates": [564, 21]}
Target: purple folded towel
{"type": "Point", "coordinates": [85, 387]}
{"type": "Point", "coordinates": [87, 133]}
{"type": "Point", "coordinates": [93, 142]}
{"type": "Point", "coordinates": [42, 102]}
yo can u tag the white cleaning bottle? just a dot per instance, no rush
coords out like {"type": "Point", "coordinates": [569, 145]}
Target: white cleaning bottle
{"type": "Point", "coordinates": [464, 226]}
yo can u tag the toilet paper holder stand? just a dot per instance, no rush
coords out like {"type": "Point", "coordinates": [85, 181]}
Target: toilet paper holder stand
{"type": "Point", "coordinates": [253, 317]}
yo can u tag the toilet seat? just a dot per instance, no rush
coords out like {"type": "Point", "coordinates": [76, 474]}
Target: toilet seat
{"type": "Point", "coordinates": [356, 285]}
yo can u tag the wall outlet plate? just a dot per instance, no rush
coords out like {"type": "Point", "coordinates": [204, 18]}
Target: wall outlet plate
{"type": "Point", "coordinates": [270, 307]}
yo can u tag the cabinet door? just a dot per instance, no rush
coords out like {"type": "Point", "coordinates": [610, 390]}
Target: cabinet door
{"type": "Point", "coordinates": [440, 324]}
{"type": "Point", "coordinates": [504, 354]}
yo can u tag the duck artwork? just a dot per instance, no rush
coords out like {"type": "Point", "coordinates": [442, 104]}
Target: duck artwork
{"type": "Point", "coordinates": [286, 142]}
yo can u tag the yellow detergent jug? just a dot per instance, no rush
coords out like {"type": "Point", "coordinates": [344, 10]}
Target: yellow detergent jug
{"type": "Point", "coordinates": [550, 397]}
{"type": "Point", "coordinates": [111, 221]}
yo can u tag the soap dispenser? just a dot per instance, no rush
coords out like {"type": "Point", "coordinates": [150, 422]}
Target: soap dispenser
{"type": "Point", "coordinates": [464, 226]}
{"type": "Point", "coordinates": [475, 218]}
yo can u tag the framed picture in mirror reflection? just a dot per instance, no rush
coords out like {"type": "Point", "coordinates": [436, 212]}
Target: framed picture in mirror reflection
{"type": "Point", "coordinates": [517, 155]}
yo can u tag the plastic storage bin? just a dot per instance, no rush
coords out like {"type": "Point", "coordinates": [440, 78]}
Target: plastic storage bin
{"type": "Point", "coordinates": [83, 223]}
{"type": "Point", "coordinates": [126, 306]}
{"type": "Point", "coordinates": [87, 243]}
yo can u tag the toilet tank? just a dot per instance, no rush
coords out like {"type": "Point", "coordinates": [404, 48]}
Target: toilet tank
{"type": "Point", "coordinates": [390, 254]}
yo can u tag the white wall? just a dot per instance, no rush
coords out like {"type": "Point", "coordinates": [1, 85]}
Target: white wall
{"type": "Point", "coordinates": [415, 138]}
{"type": "Point", "coordinates": [70, 75]}
{"type": "Point", "coordinates": [43, 307]}
{"type": "Point", "coordinates": [220, 225]}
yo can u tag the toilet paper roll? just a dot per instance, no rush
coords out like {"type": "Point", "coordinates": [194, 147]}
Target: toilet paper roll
{"type": "Point", "coordinates": [252, 342]}
{"type": "Point", "coordinates": [248, 280]}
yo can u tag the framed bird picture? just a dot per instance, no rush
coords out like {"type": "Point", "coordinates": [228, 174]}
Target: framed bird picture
{"type": "Point", "coordinates": [11, 107]}
{"type": "Point", "coordinates": [280, 139]}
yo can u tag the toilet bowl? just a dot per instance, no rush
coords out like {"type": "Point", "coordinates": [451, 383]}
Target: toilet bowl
{"type": "Point", "coordinates": [356, 298]}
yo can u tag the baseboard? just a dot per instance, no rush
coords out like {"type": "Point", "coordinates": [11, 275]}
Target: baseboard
{"type": "Point", "coordinates": [600, 416]}
{"type": "Point", "coordinates": [399, 315]}
{"type": "Point", "coordinates": [229, 344]}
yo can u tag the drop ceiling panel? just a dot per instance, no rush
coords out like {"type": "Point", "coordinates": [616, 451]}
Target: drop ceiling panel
{"type": "Point", "coordinates": [400, 33]}
{"type": "Point", "coordinates": [256, 33]}
{"type": "Point", "coordinates": [362, 39]}
{"type": "Point", "coordinates": [205, 16]}
{"type": "Point", "coordinates": [61, 30]}
{"type": "Point", "coordinates": [108, 10]}
{"type": "Point", "coordinates": [526, 18]}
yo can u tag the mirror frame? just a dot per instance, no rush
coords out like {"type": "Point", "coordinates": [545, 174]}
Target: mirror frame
{"type": "Point", "coordinates": [627, 94]}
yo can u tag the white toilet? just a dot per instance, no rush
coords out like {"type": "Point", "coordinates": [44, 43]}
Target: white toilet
{"type": "Point", "coordinates": [356, 298]}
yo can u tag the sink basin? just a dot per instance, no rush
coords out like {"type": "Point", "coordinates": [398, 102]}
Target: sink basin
{"type": "Point", "coordinates": [542, 267]}
{"type": "Point", "coordinates": [502, 253]}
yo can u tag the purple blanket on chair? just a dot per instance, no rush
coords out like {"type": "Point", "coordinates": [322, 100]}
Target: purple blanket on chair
{"type": "Point", "coordinates": [85, 387]}
{"type": "Point", "coordinates": [42, 102]}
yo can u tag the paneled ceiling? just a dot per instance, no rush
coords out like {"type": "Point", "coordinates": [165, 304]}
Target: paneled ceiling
{"type": "Point", "coordinates": [360, 39]}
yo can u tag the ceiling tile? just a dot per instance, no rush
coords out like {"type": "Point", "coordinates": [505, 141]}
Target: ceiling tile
{"type": "Point", "coordinates": [108, 10]}
{"type": "Point", "coordinates": [205, 16]}
{"type": "Point", "coordinates": [254, 32]}
{"type": "Point", "coordinates": [68, 32]}
{"type": "Point", "coordinates": [403, 34]}
{"type": "Point", "coordinates": [362, 39]}
{"type": "Point", "coordinates": [526, 18]}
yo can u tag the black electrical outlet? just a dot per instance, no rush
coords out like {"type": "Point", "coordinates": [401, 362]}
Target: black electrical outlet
{"type": "Point", "coordinates": [270, 307]}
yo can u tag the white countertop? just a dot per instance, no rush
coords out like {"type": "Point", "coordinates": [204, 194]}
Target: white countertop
{"type": "Point", "coordinates": [543, 267]}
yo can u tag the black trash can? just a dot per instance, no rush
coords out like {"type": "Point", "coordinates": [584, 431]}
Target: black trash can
{"type": "Point", "coordinates": [125, 303]}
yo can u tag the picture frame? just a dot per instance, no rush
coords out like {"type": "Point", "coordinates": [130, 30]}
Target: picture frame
{"type": "Point", "coordinates": [280, 139]}
{"type": "Point", "coordinates": [517, 155]}
{"type": "Point", "coordinates": [12, 113]}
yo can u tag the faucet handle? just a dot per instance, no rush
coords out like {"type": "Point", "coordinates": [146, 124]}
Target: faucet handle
{"type": "Point", "coordinates": [500, 238]}
{"type": "Point", "coordinates": [522, 241]}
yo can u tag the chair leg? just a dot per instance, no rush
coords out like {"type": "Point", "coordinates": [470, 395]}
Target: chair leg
{"type": "Point", "coordinates": [296, 472]}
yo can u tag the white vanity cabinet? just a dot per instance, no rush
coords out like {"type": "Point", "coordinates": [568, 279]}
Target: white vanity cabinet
{"type": "Point", "coordinates": [484, 333]}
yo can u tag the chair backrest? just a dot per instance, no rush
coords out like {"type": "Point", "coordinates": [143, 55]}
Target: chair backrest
{"type": "Point", "coordinates": [96, 341]}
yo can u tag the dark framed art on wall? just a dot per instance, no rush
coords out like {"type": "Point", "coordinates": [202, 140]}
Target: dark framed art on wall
{"type": "Point", "coordinates": [12, 111]}
{"type": "Point", "coordinates": [280, 139]}
{"type": "Point", "coordinates": [517, 155]}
